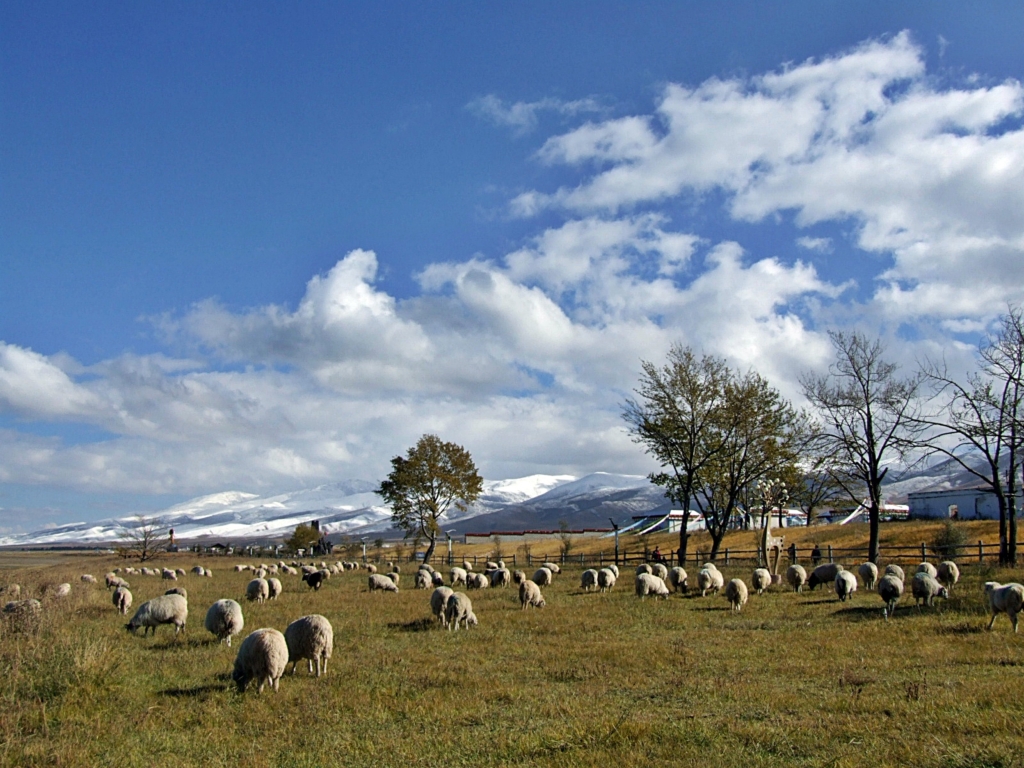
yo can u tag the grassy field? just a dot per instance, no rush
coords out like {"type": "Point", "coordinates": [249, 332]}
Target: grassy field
{"type": "Point", "coordinates": [592, 679]}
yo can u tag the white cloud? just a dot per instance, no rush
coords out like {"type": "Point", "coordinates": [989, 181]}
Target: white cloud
{"type": "Point", "coordinates": [816, 244]}
{"type": "Point", "coordinates": [521, 116]}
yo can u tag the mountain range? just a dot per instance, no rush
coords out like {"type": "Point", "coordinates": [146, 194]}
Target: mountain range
{"type": "Point", "coordinates": [351, 508]}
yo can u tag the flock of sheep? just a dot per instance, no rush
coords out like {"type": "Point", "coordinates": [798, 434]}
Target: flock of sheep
{"type": "Point", "coordinates": [264, 654]}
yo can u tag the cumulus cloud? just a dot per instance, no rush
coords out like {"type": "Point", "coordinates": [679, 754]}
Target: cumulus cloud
{"type": "Point", "coordinates": [521, 116]}
{"type": "Point", "coordinates": [816, 244]}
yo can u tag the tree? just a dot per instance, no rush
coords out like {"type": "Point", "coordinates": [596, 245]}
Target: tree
{"type": "Point", "coordinates": [867, 419]}
{"type": "Point", "coordinates": [424, 484]}
{"type": "Point", "coordinates": [675, 419]}
{"type": "Point", "coordinates": [141, 539]}
{"type": "Point", "coordinates": [814, 485]}
{"type": "Point", "coordinates": [982, 417]}
{"type": "Point", "coordinates": [565, 538]}
{"type": "Point", "coordinates": [761, 435]}
{"type": "Point", "coordinates": [304, 537]}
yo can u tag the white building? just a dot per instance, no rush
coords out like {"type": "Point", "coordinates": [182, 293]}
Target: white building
{"type": "Point", "coordinates": [960, 504]}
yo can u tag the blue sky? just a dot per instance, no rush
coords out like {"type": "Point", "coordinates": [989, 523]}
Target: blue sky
{"type": "Point", "coordinates": [264, 246]}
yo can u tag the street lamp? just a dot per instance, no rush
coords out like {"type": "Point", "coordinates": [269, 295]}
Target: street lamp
{"type": "Point", "coordinates": [363, 541]}
{"type": "Point", "coordinates": [449, 535]}
{"type": "Point", "coordinates": [616, 527]}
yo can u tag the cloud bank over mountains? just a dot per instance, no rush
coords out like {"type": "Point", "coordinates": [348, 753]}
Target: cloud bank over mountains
{"type": "Point", "coordinates": [526, 357]}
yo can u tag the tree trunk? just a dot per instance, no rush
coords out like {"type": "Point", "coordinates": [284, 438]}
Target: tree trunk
{"type": "Point", "coordinates": [684, 539]}
{"type": "Point", "coordinates": [873, 518]}
{"type": "Point", "coordinates": [430, 549]}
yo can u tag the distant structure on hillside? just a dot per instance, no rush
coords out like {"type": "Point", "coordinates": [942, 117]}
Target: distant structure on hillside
{"type": "Point", "coordinates": [959, 504]}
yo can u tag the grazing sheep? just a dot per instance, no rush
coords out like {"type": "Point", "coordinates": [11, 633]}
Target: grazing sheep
{"type": "Point", "coordinates": [606, 579]}
{"type": "Point", "coordinates": [736, 593]}
{"type": "Point", "coordinates": [169, 574]}
{"type": "Point", "coordinates": [927, 568]}
{"type": "Point", "coordinates": [310, 638]}
{"type": "Point", "coordinates": [869, 574]}
{"type": "Point", "coordinates": [458, 609]}
{"type": "Point", "coordinates": [257, 590]}
{"type": "Point", "coordinates": [262, 656]}
{"type": "Point", "coordinates": [198, 570]}
{"type": "Point", "coordinates": [180, 572]}
{"type": "Point", "coordinates": [500, 578]}
{"type": "Point", "coordinates": [678, 579]}
{"type": "Point", "coordinates": [436, 579]}
{"type": "Point", "coordinates": [824, 574]}
{"type": "Point", "coordinates": [614, 569]}
{"type": "Point", "coordinates": [14, 590]}
{"type": "Point", "coordinates": [438, 599]}
{"type": "Point", "coordinates": [490, 566]}
{"type": "Point", "coordinates": [588, 579]}
{"type": "Point", "coordinates": [240, 568]}
{"type": "Point", "coordinates": [555, 568]}
{"type": "Point", "coordinates": [894, 570]}
{"type": "Point", "coordinates": [177, 591]}
{"type": "Point", "coordinates": [23, 615]}
{"type": "Point", "coordinates": [314, 580]}
{"type": "Point", "coordinates": [948, 574]}
{"type": "Point", "coordinates": [890, 589]}
{"type": "Point", "coordinates": [109, 579]}
{"type": "Point", "coordinates": [477, 581]}
{"type": "Point", "coordinates": [543, 577]}
{"type": "Point", "coordinates": [122, 600]}
{"type": "Point", "coordinates": [796, 577]}
{"type": "Point", "coordinates": [378, 581]}
{"type": "Point", "coordinates": [29, 607]}
{"type": "Point", "coordinates": [274, 588]}
{"type": "Point", "coordinates": [1004, 598]}
{"type": "Point", "coordinates": [761, 579]}
{"type": "Point", "coordinates": [845, 585]}
{"type": "Point", "coordinates": [518, 577]}
{"type": "Point", "coordinates": [394, 576]}
{"type": "Point", "coordinates": [457, 576]}
{"type": "Point", "coordinates": [709, 580]}
{"type": "Point", "coordinates": [529, 594]}
{"type": "Point", "coordinates": [644, 568]}
{"type": "Point", "coordinates": [61, 590]}
{"type": "Point", "coordinates": [925, 587]}
{"type": "Point", "coordinates": [371, 568]}
{"type": "Point", "coordinates": [166, 609]}
{"type": "Point", "coordinates": [649, 584]}
{"type": "Point", "coordinates": [208, 573]}
{"type": "Point", "coordinates": [467, 566]}
{"type": "Point", "coordinates": [88, 578]}
{"type": "Point", "coordinates": [659, 570]}
{"type": "Point", "coordinates": [422, 580]}
{"type": "Point", "coordinates": [224, 619]}
{"type": "Point", "coordinates": [709, 566]}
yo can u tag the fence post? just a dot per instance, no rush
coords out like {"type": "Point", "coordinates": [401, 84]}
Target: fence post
{"type": "Point", "coordinates": [923, 555]}
{"type": "Point", "coordinates": [830, 553]}
{"type": "Point", "coordinates": [600, 557]}
{"type": "Point", "coordinates": [726, 555]}
{"type": "Point", "coordinates": [981, 552]}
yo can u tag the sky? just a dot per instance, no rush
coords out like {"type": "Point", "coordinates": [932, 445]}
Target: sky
{"type": "Point", "coordinates": [265, 246]}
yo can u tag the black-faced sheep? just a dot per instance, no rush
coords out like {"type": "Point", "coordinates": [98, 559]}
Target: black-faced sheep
{"type": "Point", "coordinates": [736, 593]}
{"type": "Point", "coordinates": [311, 638]}
{"type": "Point", "coordinates": [500, 578]}
{"type": "Point", "coordinates": [224, 619]}
{"type": "Point", "coordinates": [262, 656]}
{"type": "Point", "coordinates": [824, 574]}
{"type": "Point", "coordinates": [1005, 598]}
{"type": "Point", "coordinates": [166, 609]}
{"type": "Point", "coordinates": [314, 579]}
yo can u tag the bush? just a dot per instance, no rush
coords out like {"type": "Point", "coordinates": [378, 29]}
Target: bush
{"type": "Point", "coordinates": [950, 543]}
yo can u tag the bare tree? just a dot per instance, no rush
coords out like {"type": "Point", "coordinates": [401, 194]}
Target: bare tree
{"type": "Point", "coordinates": [866, 420]}
{"type": "Point", "coordinates": [675, 419]}
{"type": "Point", "coordinates": [982, 418]}
{"type": "Point", "coordinates": [141, 538]}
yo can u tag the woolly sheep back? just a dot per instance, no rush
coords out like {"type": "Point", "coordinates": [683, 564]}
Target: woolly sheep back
{"type": "Point", "coordinates": [761, 579]}
{"type": "Point", "coordinates": [458, 609]}
{"type": "Point", "coordinates": [925, 587]}
{"type": "Point", "coordinates": [894, 570]}
{"type": "Point", "coordinates": [928, 568]}
{"type": "Point", "coordinates": [948, 574]}
{"type": "Point", "coordinates": [796, 577]}
{"type": "Point", "coordinates": [542, 577]}
{"type": "Point", "coordinates": [649, 584]}
{"type": "Point", "coordinates": [588, 579]}
{"type": "Point", "coordinates": [380, 582]}
{"type": "Point", "coordinates": [257, 590]}
{"type": "Point", "coordinates": [890, 589]}
{"type": "Point", "coordinates": [262, 656]}
{"type": "Point", "coordinates": [824, 574]}
{"type": "Point", "coordinates": [530, 595]}
{"type": "Point", "coordinates": [122, 600]}
{"type": "Point", "coordinates": [868, 573]}
{"type": "Point", "coordinates": [606, 579]}
{"type": "Point", "coordinates": [678, 579]}
{"type": "Point", "coordinates": [845, 585]}
{"type": "Point", "coordinates": [736, 593]}
{"type": "Point", "coordinates": [166, 609]}
{"type": "Point", "coordinates": [224, 619]}
{"type": "Point", "coordinates": [310, 638]}
{"type": "Point", "coordinates": [438, 600]}
{"type": "Point", "coordinates": [1005, 598]}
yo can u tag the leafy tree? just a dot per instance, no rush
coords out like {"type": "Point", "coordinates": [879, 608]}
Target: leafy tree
{"type": "Point", "coordinates": [867, 419]}
{"type": "Point", "coordinates": [304, 537]}
{"type": "Point", "coordinates": [677, 418]}
{"type": "Point", "coordinates": [424, 484]}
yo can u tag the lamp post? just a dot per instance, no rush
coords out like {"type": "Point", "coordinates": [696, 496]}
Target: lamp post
{"type": "Point", "coordinates": [449, 535]}
{"type": "Point", "coordinates": [616, 527]}
{"type": "Point", "coordinates": [363, 541]}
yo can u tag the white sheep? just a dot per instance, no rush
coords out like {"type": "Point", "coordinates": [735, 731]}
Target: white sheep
{"type": "Point", "coordinates": [518, 577]}
{"type": "Point", "coordinates": [198, 570]}
{"type": "Point", "coordinates": [894, 570]}
{"type": "Point", "coordinates": [543, 577]}
{"type": "Point", "coordinates": [422, 580]}
{"type": "Point", "coordinates": [709, 580]}
{"type": "Point", "coordinates": [477, 581]}
{"type": "Point", "coordinates": [62, 590]}
{"type": "Point", "coordinates": [890, 589]}
{"type": "Point", "coordinates": [845, 585]}
{"type": "Point", "coordinates": [458, 609]}
{"type": "Point", "coordinates": [1005, 598]}
{"type": "Point", "coordinates": [824, 574]}
{"type": "Point", "coordinates": [457, 576]}
{"type": "Point", "coordinates": [928, 568]}
{"type": "Point", "coordinates": [262, 656]}
{"type": "Point", "coordinates": [437, 602]}
{"type": "Point", "coordinates": [869, 574]}
{"type": "Point", "coordinates": [257, 590]}
{"type": "Point", "coordinates": [678, 579]}
{"type": "Point", "coordinates": [588, 579]}
{"type": "Point", "coordinates": [736, 593]}
{"type": "Point", "coordinates": [761, 579]}
{"type": "Point", "coordinates": [310, 638]}
{"type": "Point", "coordinates": [606, 579]}
{"type": "Point", "coordinates": [660, 570]}
{"type": "Point", "coordinates": [169, 574]}
{"type": "Point", "coordinates": [122, 600]}
{"type": "Point", "coordinates": [614, 569]}
{"type": "Point", "coordinates": [467, 566]}
{"type": "Point", "coordinates": [394, 576]}
{"type": "Point", "coordinates": [555, 568]}
{"type": "Point", "coordinates": [180, 572]}
{"type": "Point", "coordinates": [379, 582]}
{"type": "Point", "coordinates": [490, 565]}
{"type": "Point", "coordinates": [177, 591]}
{"type": "Point", "coordinates": [796, 577]}
{"type": "Point", "coordinates": [371, 568]}
{"type": "Point", "coordinates": [166, 609]}
{"type": "Point", "coordinates": [88, 578]}
{"type": "Point", "coordinates": [500, 578]}
{"type": "Point", "coordinates": [649, 584]}
{"type": "Point", "coordinates": [436, 579]}
{"type": "Point", "coordinates": [274, 588]}
{"type": "Point", "coordinates": [529, 595]}
{"type": "Point", "coordinates": [948, 574]}
{"type": "Point", "coordinates": [925, 587]}
{"type": "Point", "coordinates": [644, 568]}
{"type": "Point", "coordinates": [224, 619]}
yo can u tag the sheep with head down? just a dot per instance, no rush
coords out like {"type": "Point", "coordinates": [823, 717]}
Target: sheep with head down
{"type": "Point", "coordinates": [660, 570]}
{"type": "Point", "coordinates": [588, 579]}
{"type": "Point", "coordinates": [262, 656]}
{"type": "Point", "coordinates": [1005, 598]}
{"type": "Point", "coordinates": [530, 595]}
{"type": "Point", "coordinates": [257, 591]}
{"type": "Point", "coordinates": [761, 579]}
{"type": "Point", "coordinates": [542, 577]}
{"type": "Point", "coordinates": [948, 574]}
{"type": "Point", "coordinates": [868, 573]}
{"type": "Point", "coordinates": [736, 593]}
{"type": "Point", "coordinates": [606, 579]}
{"type": "Point", "coordinates": [824, 574]}
{"type": "Point", "coordinates": [224, 619]}
{"type": "Point", "coordinates": [845, 585]}
{"type": "Point", "coordinates": [890, 589]}
{"type": "Point", "coordinates": [310, 638]}
{"type": "Point", "coordinates": [796, 577]}
{"type": "Point", "coordinates": [677, 578]}
{"type": "Point", "coordinates": [649, 584]}
{"type": "Point", "coordinates": [925, 587]}
{"type": "Point", "coordinates": [458, 609]}
{"type": "Point", "coordinates": [709, 580]}
{"type": "Point", "coordinates": [166, 609]}
{"type": "Point", "coordinates": [378, 582]}
{"type": "Point", "coordinates": [438, 600]}
{"type": "Point", "coordinates": [122, 600]}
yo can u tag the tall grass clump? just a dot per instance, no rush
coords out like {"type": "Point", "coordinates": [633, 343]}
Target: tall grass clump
{"type": "Point", "coordinates": [950, 541]}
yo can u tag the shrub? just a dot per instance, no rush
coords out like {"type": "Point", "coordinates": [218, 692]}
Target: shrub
{"type": "Point", "coordinates": [950, 543]}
